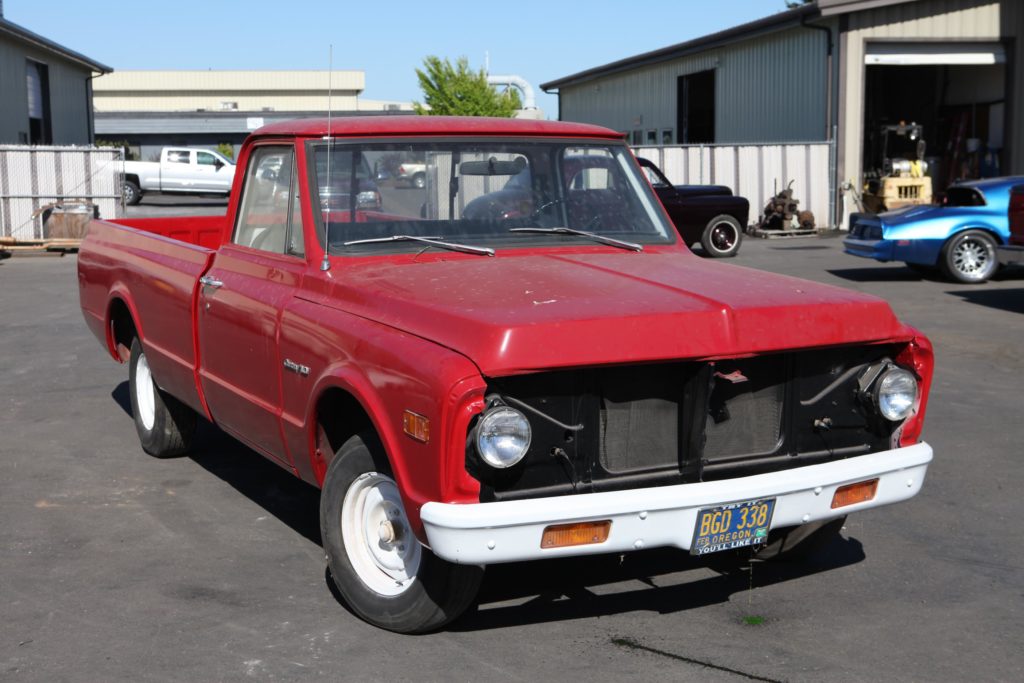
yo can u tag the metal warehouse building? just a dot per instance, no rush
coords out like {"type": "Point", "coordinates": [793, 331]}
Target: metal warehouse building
{"type": "Point", "coordinates": [831, 71]}
{"type": "Point", "coordinates": [45, 89]}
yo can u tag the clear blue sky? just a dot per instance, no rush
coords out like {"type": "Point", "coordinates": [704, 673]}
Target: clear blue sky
{"type": "Point", "coordinates": [540, 41]}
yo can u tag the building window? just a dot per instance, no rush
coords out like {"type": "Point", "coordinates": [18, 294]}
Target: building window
{"type": "Point", "coordinates": [666, 136]}
{"type": "Point", "coordinates": [37, 80]}
{"type": "Point", "coordinates": [652, 137]}
{"type": "Point", "coordinates": [695, 107]}
{"type": "Point", "coordinates": [638, 137]}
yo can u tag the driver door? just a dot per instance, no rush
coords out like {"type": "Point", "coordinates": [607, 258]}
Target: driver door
{"type": "Point", "coordinates": [242, 298]}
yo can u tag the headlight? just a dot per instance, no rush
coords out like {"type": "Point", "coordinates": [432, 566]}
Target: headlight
{"type": "Point", "coordinates": [502, 437]}
{"type": "Point", "coordinates": [895, 394]}
{"type": "Point", "coordinates": [367, 199]}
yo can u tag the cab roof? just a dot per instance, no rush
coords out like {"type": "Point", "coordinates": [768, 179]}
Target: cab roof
{"type": "Point", "coordinates": [374, 126]}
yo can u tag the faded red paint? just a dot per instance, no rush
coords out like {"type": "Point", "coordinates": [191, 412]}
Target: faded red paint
{"type": "Point", "coordinates": [405, 332]}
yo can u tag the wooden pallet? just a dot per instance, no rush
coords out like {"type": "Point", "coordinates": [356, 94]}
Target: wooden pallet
{"type": "Point", "coordinates": [56, 246]}
{"type": "Point", "coordinates": [782, 234]}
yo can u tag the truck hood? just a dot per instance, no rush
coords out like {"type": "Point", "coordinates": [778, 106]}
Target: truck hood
{"type": "Point", "coordinates": [521, 312]}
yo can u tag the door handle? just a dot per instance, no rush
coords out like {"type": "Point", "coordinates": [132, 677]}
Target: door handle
{"type": "Point", "coordinates": [207, 281]}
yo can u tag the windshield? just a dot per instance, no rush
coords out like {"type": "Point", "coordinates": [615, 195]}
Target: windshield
{"type": "Point", "coordinates": [481, 193]}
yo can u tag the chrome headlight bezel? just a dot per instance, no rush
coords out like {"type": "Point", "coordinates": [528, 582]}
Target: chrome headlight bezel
{"type": "Point", "coordinates": [503, 437]}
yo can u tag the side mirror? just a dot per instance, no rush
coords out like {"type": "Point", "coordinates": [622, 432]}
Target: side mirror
{"type": "Point", "coordinates": [218, 164]}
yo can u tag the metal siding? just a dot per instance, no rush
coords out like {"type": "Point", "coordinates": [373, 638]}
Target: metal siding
{"type": "Point", "coordinates": [767, 89]}
{"type": "Point", "coordinates": [772, 89]}
{"type": "Point", "coordinates": [756, 172]}
{"type": "Point", "coordinates": [69, 106]}
{"type": "Point", "coordinates": [13, 93]}
{"type": "Point", "coordinates": [932, 20]}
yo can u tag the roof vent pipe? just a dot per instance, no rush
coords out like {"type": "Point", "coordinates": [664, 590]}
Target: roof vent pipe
{"type": "Point", "coordinates": [529, 101]}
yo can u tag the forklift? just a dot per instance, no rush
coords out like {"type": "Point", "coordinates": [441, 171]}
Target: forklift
{"type": "Point", "coordinates": [897, 174]}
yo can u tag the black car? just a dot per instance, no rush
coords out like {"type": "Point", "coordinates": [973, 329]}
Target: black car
{"type": "Point", "coordinates": [707, 214]}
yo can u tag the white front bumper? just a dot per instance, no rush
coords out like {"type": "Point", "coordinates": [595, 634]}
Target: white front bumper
{"type": "Point", "coordinates": [488, 533]}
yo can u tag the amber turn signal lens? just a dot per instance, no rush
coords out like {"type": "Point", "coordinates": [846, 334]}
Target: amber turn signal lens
{"type": "Point", "coordinates": [582, 533]}
{"type": "Point", "coordinates": [416, 426]}
{"type": "Point", "coordinates": [854, 493]}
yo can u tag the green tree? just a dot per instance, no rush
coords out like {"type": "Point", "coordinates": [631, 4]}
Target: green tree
{"type": "Point", "coordinates": [227, 150]}
{"type": "Point", "coordinates": [456, 90]}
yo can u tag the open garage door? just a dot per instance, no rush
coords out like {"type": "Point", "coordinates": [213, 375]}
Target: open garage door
{"type": "Point", "coordinates": [955, 93]}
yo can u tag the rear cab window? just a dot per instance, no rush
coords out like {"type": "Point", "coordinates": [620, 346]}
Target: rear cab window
{"type": "Point", "coordinates": [964, 196]}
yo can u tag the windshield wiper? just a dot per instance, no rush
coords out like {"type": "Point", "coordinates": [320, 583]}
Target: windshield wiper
{"type": "Point", "coordinates": [632, 246]}
{"type": "Point", "coordinates": [435, 241]}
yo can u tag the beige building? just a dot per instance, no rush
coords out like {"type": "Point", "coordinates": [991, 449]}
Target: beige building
{"type": "Point", "coordinates": [152, 109]}
{"type": "Point", "coordinates": [246, 91]}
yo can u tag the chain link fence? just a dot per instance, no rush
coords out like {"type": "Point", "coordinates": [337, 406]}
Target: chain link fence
{"type": "Point", "coordinates": [33, 178]}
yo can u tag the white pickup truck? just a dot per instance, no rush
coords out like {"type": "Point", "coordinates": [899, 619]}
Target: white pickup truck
{"type": "Point", "coordinates": [180, 170]}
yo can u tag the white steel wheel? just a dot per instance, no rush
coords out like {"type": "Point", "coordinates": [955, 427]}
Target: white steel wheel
{"type": "Point", "coordinates": [165, 425]}
{"type": "Point", "coordinates": [145, 393]}
{"type": "Point", "coordinates": [380, 545]}
{"type": "Point", "coordinates": [381, 570]}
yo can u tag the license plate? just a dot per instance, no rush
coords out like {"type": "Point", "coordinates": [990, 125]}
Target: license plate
{"type": "Point", "coordinates": [736, 525]}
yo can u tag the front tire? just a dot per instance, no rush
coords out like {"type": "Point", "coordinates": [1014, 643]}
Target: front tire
{"type": "Point", "coordinates": [386, 576]}
{"type": "Point", "coordinates": [419, 181]}
{"type": "Point", "coordinates": [132, 193]}
{"type": "Point", "coordinates": [722, 236]}
{"type": "Point", "coordinates": [165, 424]}
{"type": "Point", "coordinates": [969, 257]}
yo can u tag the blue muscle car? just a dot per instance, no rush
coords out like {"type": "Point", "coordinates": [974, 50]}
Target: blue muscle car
{"type": "Point", "coordinates": [959, 237]}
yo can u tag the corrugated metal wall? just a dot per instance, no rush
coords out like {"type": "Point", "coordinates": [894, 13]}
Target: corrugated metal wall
{"type": "Point", "coordinates": [767, 89]}
{"type": "Point", "coordinates": [69, 107]}
{"type": "Point", "coordinates": [756, 172]}
{"type": "Point", "coordinates": [933, 21]}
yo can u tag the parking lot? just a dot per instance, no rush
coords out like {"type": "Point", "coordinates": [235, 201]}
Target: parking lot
{"type": "Point", "coordinates": [118, 566]}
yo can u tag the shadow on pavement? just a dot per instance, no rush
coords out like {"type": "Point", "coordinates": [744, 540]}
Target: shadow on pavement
{"type": "Point", "coordinates": [881, 274]}
{"type": "Point", "coordinates": [276, 490]}
{"type": "Point", "coordinates": [811, 247]}
{"type": "Point", "coordinates": [558, 590]}
{"type": "Point", "coordinates": [1004, 299]}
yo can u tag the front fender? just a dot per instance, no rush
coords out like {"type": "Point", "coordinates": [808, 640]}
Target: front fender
{"type": "Point", "coordinates": [386, 372]}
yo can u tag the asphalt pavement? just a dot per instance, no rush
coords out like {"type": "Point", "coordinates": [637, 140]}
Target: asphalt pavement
{"type": "Point", "coordinates": [115, 566]}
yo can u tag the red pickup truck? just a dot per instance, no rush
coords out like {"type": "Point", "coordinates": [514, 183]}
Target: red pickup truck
{"type": "Point", "coordinates": [472, 381]}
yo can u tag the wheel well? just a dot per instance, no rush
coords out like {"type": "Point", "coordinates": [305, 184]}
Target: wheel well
{"type": "Point", "coordinates": [132, 177]}
{"type": "Point", "coordinates": [122, 329]}
{"type": "Point", "coordinates": [979, 228]}
{"type": "Point", "coordinates": [339, 417]}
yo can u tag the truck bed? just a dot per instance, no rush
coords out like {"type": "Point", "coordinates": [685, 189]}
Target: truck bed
{"type": "Point", "coordinates": [152, 266]}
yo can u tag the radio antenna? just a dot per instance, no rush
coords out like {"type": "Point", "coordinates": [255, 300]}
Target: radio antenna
{"type": "Point", "coordinates": [325, 265]}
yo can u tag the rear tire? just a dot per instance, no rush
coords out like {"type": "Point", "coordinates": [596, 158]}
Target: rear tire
{"type": "Point", "coordinates": [132, 193]}
{"type": "Point", "coordinates": [722, 236]}
{"type": "Point", "coordinates": [386, 576]}
{"type": "Point", "coordinates": [165, 424]}
{"type": "Point", "coordinates": [969, 257]}
{"type": "Point", "coordinates": [419, 181]}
